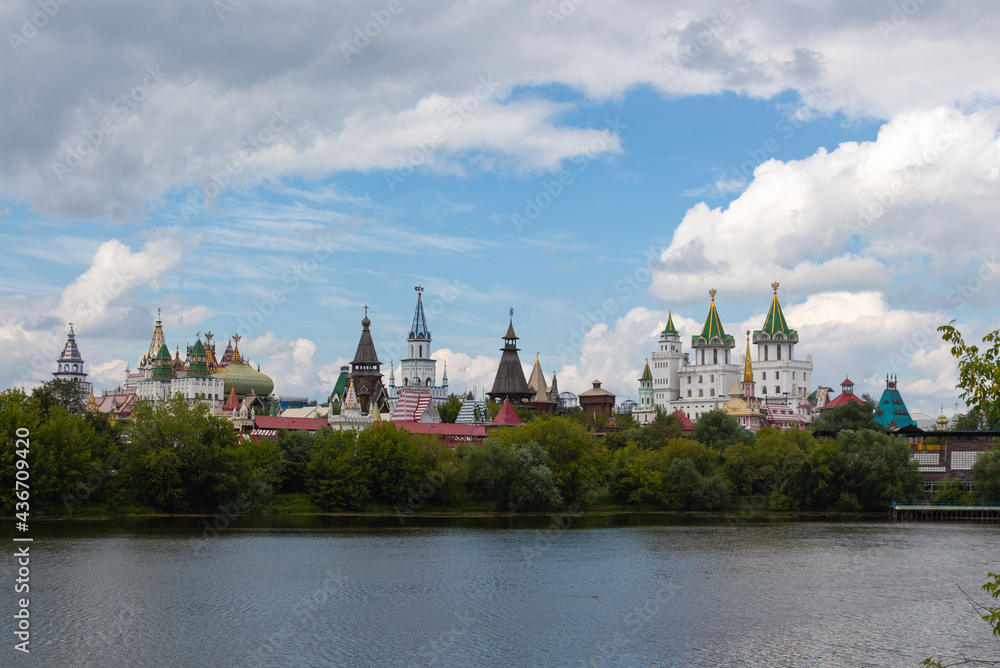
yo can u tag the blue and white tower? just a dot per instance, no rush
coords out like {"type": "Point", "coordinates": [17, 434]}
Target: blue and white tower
{"type": "Point", "coordinates": [70, 364]}
{"type": "Point", "coordinates": [419, 370]}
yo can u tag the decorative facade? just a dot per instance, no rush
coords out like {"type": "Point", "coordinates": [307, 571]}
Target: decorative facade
{"type": "Point", "coordinates": [702, 380]}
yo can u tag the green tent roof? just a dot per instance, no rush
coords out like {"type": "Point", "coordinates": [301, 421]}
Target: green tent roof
{"type": "Point", "coordinates": [669, 327]}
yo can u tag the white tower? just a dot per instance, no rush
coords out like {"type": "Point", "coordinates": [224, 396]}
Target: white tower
{"type": "Point", "coordinates": [780, 377]}
{"type": "Point", "coordinates": [667, 360]}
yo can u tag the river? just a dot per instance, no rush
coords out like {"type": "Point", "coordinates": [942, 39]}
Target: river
{"type": "Point", "coordinates": [654, 590]}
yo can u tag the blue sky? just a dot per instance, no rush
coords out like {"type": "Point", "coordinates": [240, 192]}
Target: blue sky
{"type": "Point", "coordinates": [592, 173]}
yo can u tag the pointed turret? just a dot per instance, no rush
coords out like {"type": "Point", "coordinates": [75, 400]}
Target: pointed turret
{"type": "Point", "coordinates": [509, 383]}
{"type": "Point", "coordinates": [775, 327]}
{"type": "Point", "coordinates": [669, 327]}
{"type": "Point", "coordinates": [162, 365]}
{"type": "Point", "coordinates": [198, 367]}
{"type": "Point", "coordinates": [712, 333]}
{"type": "Point", "coordinates": [748, 382]}
{"type": "Point", "coordinates": [69, 366]}
{"type": "Point", "coordinates": [419, 331]}
{"type": "Point", "coordinates": [365, 369]}
{"type": "Point", "coordinates": [646, 389]}
{"type": "Point", "coordinates": [155, 343]}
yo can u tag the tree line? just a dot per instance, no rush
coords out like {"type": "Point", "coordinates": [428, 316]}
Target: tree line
{"type": "Point", "coordinates": [176, 458]}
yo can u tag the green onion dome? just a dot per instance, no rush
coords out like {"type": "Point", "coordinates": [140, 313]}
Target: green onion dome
{"type": "Point", "coordinates": [244, 379]}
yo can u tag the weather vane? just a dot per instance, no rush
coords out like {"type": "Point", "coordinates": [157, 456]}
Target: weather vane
{"type": "Point", "coordinates": [512, 311]}
{"type": "Point", "coordinates": [712, 293]}
{"type": "Point", "coordinates": [774, 286]}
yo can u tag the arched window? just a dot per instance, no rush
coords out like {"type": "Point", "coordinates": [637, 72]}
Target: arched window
{"type": "Point", "coordinates": [779, 350]}
{"type": "Point", "coordinates": [701, 393]}
{"type": "Point", "coordinates": [777, 375]}
{"type": "Point", "coordinates": [765, 353]}
{"type": "Point", "coordinates": [428, 381]}
{"type": "Point", "coordinates": [702, 356]}
{"type": "Point", "coordinates": [689, 393]}
{"type": "Point", "coordinates": [777, 390]}
{"type": "Point", "coordinates": [711, 392]}
{"type": "Point", "coordinates": [421, 353]}
{"type": "Point", "coordinates": [715, 356]}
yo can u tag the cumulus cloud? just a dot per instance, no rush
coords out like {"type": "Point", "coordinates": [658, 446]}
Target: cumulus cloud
{"type": "Point", "coordinates": [854, 218]}
{"type": "Point", "coordinates": [118, 104]}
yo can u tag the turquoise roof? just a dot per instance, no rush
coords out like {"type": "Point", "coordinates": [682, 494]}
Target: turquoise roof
{"type": "Point", "coordinates": [893, 410]}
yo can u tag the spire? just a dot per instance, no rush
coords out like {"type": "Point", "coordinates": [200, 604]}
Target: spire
{"type": "Point", "coordinates": [747, 368]}
{"type": "Point", "coordinates": [444, 379]}
{"type": "Point", "coordinates": [162, 367]}
{"type": "Point", "coordinates": [157, 341]}
{"type": "Point", "coordinates": [537, 383]}
{"type": "Point", "coordinates": [775, 321]}
{"type": "Point", "coordinates": [419, 331]}
{"type": "Point", "coordinates": [669, 327]}
{"type": "Point", "coordinates": [646, 375]}
{"type": "Point", "coordinates": [198, 368]}
{"type": "Point", "coordinates": [392, 376]}
{"type": "Point", "coordinates": [713, 327]}
{"type": "Point", "coordinates": [365, 353]}
{"type": "Point", "coordinates": [509, 382]}
{"type": "Point", "coordinates": [236, 357]}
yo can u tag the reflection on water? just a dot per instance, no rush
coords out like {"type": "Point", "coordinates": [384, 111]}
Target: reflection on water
{"type": "Point", "coordinates": [620, 591]}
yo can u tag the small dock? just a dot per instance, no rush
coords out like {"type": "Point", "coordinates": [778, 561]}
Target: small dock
{"type": "Point", "coordinates": [946, 511]}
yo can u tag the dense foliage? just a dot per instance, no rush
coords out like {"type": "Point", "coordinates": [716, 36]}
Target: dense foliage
{"type": "Point", "coordinates": [176, 458]}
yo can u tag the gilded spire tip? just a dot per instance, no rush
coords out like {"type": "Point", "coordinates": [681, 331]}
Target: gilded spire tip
{"type": "Point", "coordinates": [774, 286]}
{"type": "Point", "coordinates": [712, 292]}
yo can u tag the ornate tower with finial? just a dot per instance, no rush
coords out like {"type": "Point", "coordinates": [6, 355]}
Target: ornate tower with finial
{"type": "Point", "coordinates": [712, 371]}
{"type": "Point", "coordinates": [366, 371]}
{"type": "Point", "coordinates": [783, 377]}
{"type": "Point", "coordinates": [509, 382]}
{"type": "Point", "coordinates": [748, 382]}
{"type": "Point", "coordinates": [69, 366]}
{"type": "Point", "coordinates": [419, 370]}
{"type": "Point", "coordinates": [667, 361]}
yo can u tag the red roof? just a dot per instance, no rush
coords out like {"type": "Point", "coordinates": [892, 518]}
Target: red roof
{"type": "Point", "coordinates": [846, 381]}
{"type": "Point", "coordinates": [507, 415]}
{"type": "Point", "coordinates": [686, 424]}
{"type": "Point", "coordinates": [842, 399]}
{"type": "Point", "coordinates": [292, 424]}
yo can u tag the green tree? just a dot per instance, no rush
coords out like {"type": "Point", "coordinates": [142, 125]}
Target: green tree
{"type": "Point", "coordinates": [17, 411]}
{"type": "Point", "coordinates": [180, 458]}
{"type": "Point", "coordinates": [577, 459]}
{"type": "Point", "coordinates": [763, 465]}
{"type": "Point", "coordinates": [68, 394]}
{"type": "Point", "coordinates": [717, 429]}
{"type": "Point", "coordinates": [986, 475]}
{"type": "Point", "coordinates": [450, 408]}
{"type": "Point", "coordinates": [295, 447]}
{"type": "Point", "coordinates": [664, 427]}
{"type": "Point", "coordinates": [815, 484]}
{"type": "Point", "coordinates": [877, 468]}
{"type": "Point", "coordinates": [334, 478]}
{"type": "Point", "coordinates": [978, 371]}
{"type": "Point", "coordinates": [952, 489]}
{"type": "Point", "coordinates": [394, 466]}
{"type": "Point", "coordinates": [511, 478]}
{"type": "Point", "coordinates": [637, 476]}
{"type": "Point", "coordinates": [693, 491]}
{"type": "Point", "coordinates": [852, 415]}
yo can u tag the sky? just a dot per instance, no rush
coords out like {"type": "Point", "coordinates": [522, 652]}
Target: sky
{"type": "Point", "coordinates": [269, 169]}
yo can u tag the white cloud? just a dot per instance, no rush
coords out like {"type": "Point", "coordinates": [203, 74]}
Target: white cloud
{"type": "Point", "coordinates": [854, 218]}
{"type": "Point", "coordinates": [268, 92]}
